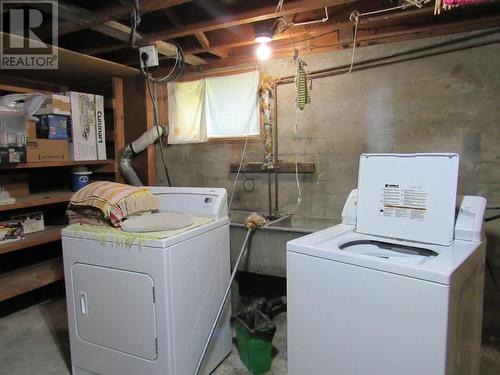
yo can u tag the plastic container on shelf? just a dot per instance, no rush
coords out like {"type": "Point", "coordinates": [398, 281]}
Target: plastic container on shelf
{"type": "Point", "coordinates": [80, 177]}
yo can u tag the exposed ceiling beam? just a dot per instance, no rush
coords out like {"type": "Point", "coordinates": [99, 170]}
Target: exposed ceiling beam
{"type": "Point", "coordinates": [220, 47]}
{"type": "Point", "coordinates": [203, 40]}
{"type": "Point", "coordinates": [116, 30]}
{"type": "Point", "coordinates": [221, 52]}
{"type": "Point", "coordinates": [222, 40]}
{"type": "Point", "coordinates": [121, 32]}
{"type": "Point", "coordinates": [114, 12]}
{"type": "Point", "coordinates": [256, 15]}
{"type": "Point", "coordinates": [233, 41]}
{"type": "Point", "coordinates": [282, 50]}
{"type": "Point", "coordinates": [92, 51]}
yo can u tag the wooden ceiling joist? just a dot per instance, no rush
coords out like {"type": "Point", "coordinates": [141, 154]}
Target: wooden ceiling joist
{"type": "Point", "coordinates": [203, 40]}
{"type": "Point", "coordinates": [220, 52]}
{"type": "Point", "coordinates": [256, 15]}
{"type": "Point", "coordinates": [331, 43]}
{"type": "Point", "coordinates": [117, 30]}
{"type": "Point", "coordinates": [114, 12]}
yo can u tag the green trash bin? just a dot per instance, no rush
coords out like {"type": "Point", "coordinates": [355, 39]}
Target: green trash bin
{"type": "Point", "coordinates": [254, 335]}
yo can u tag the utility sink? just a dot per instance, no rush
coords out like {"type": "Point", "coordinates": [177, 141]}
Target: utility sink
{"type": "Point", "coordinates": [267, 248]}
{"type": "Point", "coordinates": [303, 224]}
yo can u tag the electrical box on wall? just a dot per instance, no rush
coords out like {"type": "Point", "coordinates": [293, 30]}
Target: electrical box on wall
{"type": "Point", "coordinates": [152, 56]}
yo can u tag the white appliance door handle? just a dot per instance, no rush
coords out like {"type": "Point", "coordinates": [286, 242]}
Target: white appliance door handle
{"type": "Point", "coordinates": [83, 303]}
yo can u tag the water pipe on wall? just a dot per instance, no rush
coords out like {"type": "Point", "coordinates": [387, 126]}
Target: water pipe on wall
{"type": "Point", "coordinates": [275, 152]}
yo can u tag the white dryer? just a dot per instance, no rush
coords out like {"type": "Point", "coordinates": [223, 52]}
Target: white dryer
{"type": "Point", "coordinates": [148, 309]}
{"type": "Point", "coordinates": [397, 288]}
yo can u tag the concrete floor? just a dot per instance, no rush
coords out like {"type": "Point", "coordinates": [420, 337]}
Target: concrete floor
{"type": "Point", "coordinates": [34, 341]}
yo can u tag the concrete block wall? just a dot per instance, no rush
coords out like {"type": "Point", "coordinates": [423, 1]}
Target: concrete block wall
{"type": "Point", "coordinates": [449, 102]}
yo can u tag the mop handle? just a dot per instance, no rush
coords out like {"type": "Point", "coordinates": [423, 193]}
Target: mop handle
{"type": "Point", "coordinates": [221, 307]}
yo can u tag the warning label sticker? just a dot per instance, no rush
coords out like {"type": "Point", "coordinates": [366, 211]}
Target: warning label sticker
{"type": "Point", "coordinates": [407, 202]}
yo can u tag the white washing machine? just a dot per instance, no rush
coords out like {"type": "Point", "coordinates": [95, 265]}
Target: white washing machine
{"type": "Point", "coordinates": [148, 309]}
{"type": "Point", "coordinates": [397, 288]}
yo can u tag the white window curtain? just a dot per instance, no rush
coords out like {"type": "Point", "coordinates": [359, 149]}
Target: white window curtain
{"type": "Point", "coordinates": [216, 107]}
{"type": "Point", "coordinates": [231, 105]}
{"type": "Point", "coordinates": [186, 112]}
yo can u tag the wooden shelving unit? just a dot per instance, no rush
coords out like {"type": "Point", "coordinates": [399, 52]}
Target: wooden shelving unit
{"type": "Point", "coordinates": [52, 164]}
{"type": "Point", "coordinates": [38, 199]}
{"type": "Point", "coordinates": [50, 234]}
{"type": "Point", "coordinates": [76, 72]}
{"type": "Point", "coordinates": [30, 278]}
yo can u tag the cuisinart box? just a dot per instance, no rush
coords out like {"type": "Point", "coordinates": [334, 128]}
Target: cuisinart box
{"type": "Point", "coordinates": [87, 126]}
{"type": "Point", "coordinates": [100, 127]}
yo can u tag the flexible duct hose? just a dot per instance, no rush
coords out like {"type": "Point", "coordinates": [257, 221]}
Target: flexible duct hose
{"type": "Point", "coordinates": [134, 148]}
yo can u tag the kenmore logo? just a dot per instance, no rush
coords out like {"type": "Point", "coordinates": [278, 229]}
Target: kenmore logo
{"type": "Point", "coordinates": [99, 126]}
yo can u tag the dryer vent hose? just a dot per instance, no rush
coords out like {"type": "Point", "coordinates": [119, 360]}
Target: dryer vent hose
{"type": "Point", "coordinates": [136, 147]}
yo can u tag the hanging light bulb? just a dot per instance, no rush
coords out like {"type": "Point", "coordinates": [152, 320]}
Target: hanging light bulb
{"type": "Point", "coordinates": [263, 35]}
{"type": "Point", "coordinates": [263, 51]}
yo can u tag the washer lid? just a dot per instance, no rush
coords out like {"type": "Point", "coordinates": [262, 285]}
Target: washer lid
{"type": "Point", "coordinates": [408, 196]}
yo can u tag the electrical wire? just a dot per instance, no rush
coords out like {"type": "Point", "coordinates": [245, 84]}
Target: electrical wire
{"type": "Point", "coordinates": [242, 153]}
{"type": "Point", "coordinates": [239, 169]}
{"type": "Point", "coordinates": [135, 20]}
{"type": "Point", "coordinates": [156, 123]}
{"type": "Point", "coordinates": [177, 69]}
{"type": "Point", "coordinates": [491, 218]}
{"type": "Point", "coordinates": [174, 73]}
{"type": "Point", "coordinates": [354, 16]}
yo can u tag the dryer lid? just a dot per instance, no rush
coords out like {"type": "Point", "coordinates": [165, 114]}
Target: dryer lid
{"type": "Point", "coordinates": [408, 196]}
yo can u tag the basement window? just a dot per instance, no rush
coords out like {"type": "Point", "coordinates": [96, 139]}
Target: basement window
{"type": "Point", "coordinates": [214, 108]}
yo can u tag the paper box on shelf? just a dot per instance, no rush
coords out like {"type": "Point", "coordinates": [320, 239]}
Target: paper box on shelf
{"type": "Point", "coordinates": [31, 221]}
{"type": "Point", "coordinates": [47, 150]}
{"type": "Point", "coordinates": [12, 136]}
{"type": "Point", "coordinates": [55, 105]}
{"type": "Point", "coordinates": [10, 231]}
{"type": "Point", "coordinates": [52, 127]}
{"type": "Point", "coordinates": [83, 145]}
{"type": "Point", "coordinates": [100, 127]}
{"type": "Point", "coordinates": [30, 125]}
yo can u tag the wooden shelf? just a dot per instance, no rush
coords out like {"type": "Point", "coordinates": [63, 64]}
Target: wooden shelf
{"type": "Point", "coordinates": [38, 199]}
{"type": "Point", "coordinates": [26, 279]}
{"type": "Point", "coordinates": [74, 68]}
{"type": "Point", "coordinates": [79, 73]}
{"type": "Point", "coordinates": [49, 164]}
{"type": "Point", "coordinates": [282, 168]}
{"type": "Point", "coordinates": [50, 234]}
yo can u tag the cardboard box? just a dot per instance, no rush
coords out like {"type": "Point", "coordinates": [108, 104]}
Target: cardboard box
{"type": "Point", "coordinates": [52, 127]}
{"type": "Point", "coordinates": [47, 150]}
{"type": "Point", "coordinates": [17, 184]}
{"type": "Point", "coordinates": [31, 221]}
{"type": "Point", "coordinates": [100, 127]}
{"type": "Point", "coordinates": [83, 144]}
{"type": "Point", "coordinates": [12, 136]}
{"type": "Point", "coordinates": [55, 105]}
{"type": "Point", "coordinates": [30, 125]}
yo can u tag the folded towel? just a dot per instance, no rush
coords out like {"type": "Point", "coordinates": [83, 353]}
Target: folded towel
{"type": "Point", "coordinates": [115, 201]}
{"type": "Point", "coordinates": [157, 222]}
{"type": "Point", "coordinates": [105, 233]}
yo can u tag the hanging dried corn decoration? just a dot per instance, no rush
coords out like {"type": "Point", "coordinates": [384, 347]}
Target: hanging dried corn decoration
{"type": "Point", "coordinates": [265, 100]}
{"type": "Point", "coordinates": [302, 96]}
